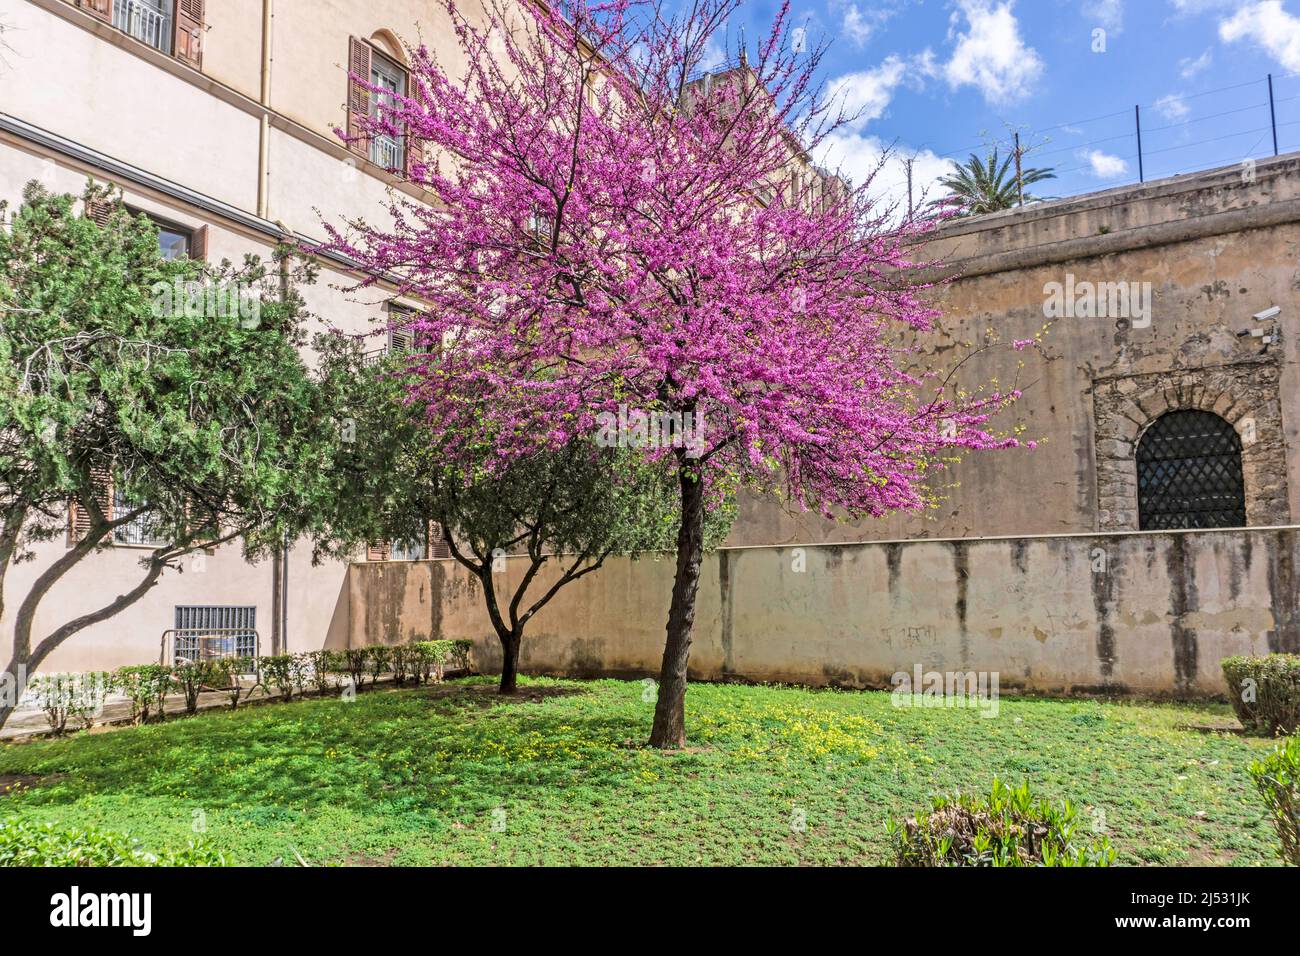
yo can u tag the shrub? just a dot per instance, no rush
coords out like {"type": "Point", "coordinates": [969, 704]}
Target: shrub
{"type": "Point", "coordinates": [27, 844]}
{"type": "Point", "coordinates": [355, 664]}
{"type": "Point", "coordinates": [191, 677]}
{"type": "Point", "coordinates": [146, 687]}
{"type": "Point", "coordinates": [278, 672]}
{"type": "Point", "coordinates": [230, 670]}
{"type": "Point", "coordinates": [380, 658]}
{"type": "Point", "coordinates": [401, 659]}
{"type": "Point", "coordinates": [1278, 779]}
{"type": "Point", "coordinates": [301, 670]}
{"type": "Point", "coordinates": [1265, 692]}
{"type": "Point", "coordinates": [1009, 828]}
{"type": "Point", "coordinates": [318, 668]}
{"type": "Point", "coordinates": [65, 697]}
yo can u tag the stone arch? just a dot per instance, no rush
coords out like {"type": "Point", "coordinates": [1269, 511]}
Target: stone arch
{"type": "Point", "coordinates": [386, 42]}
{"type": "Point", "coordinates": [1245, 395]}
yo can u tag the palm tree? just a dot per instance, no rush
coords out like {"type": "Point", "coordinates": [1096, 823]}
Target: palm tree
{"type": "Point", "coordinates": [982, 186]}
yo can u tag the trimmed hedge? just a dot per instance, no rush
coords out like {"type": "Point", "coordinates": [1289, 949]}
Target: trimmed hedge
{"type": "Point", "coordinates": [1008, 828]}
{"type": "Point", "coordinates": [1265, 692]}
{"type": "Point", "coordinates": [1278, 779]}
{"type": "Point", "coordinates": [28, 844]}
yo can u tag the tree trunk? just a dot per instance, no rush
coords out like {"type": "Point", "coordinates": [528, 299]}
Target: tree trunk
{"type": "Point", "coordinates": [669, 730]}
{"type": "Point", "coordinates": [509, 663]}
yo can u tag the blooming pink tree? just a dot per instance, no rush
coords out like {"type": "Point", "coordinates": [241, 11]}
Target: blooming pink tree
{"type": "Point", "coordinates": [616, 231]}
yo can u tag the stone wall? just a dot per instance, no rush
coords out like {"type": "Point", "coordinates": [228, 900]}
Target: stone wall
{"type": "Point", "coordinates": [1217, 248]}
{"type": "Point", "coordinates": [1141, 613]}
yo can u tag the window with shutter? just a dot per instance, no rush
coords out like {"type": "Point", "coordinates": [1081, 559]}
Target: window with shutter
{"type": "Point", "coordinates": [99, 8]}
{"type": "Point", "coordinates": [99, 210]}
{"type": "Point", "coordinates": [199, 244]}
{"type": "Point", "coordinates": [79, 517]}
{"type": "Point", "coordinates": [438, 547]}
{"type": "Point", "coordinates": [401, 334]}
{"type": "Point", "coordinates": [358, 95]}
{"type": "Point", "coordinates": [189, 32]}
{"type": "Point", "coordinates": [379, 552]}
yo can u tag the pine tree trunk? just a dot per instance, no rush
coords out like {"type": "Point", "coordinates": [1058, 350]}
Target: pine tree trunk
{"type": "Point", "coordinates": [669, 730]}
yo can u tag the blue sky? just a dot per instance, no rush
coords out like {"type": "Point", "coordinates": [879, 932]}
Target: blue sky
{"type": "Point", "coordinates": [937, 77]}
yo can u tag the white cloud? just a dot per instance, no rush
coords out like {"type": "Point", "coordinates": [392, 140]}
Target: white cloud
{"type": "Point", "coordinates": [857, 27]}
{"type": "Point", "coordinates": [1106, 13]}
{"type": "Point", "coordinates": [865, 95]}
{"type": "Point", "coordinates": [1104, 165]}
{"type": "Point", "coordinates": [1172, 107]}
{"type": "Point", "coordinates": [990, 53]}
{"type": "Point", "coordinates": [859, 157]}
{"type": "Point", "coordinates": [1190, 67]}
{"type": "Point", "coordinates": [1267, 24]}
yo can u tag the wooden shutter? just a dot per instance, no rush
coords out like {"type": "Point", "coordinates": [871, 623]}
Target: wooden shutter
{"type": "Point", "coordinates": [437, 547]}
{"type": "Point", "coordinates": [98, 8]}
{"type": "Point", "coordinates": [358, 95]}
{"type": "Point", "coordinates": [379, 552]}
{"type": "Point", "coordinates": [414, 149]}
{"type": "Point", "coordinates": [79, 516]}
{"type": "Point", "coordinates": [199, 244]}
{"type": "Point", "coordinates": [99, 210]}
{"type": "Point", "coordinates": [189, 32]}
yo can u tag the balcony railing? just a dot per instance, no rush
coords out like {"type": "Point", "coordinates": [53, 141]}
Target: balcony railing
{"type": "Point", "coordinates": [387, 151]}
{"type": "Point", "coordinates": [145, 22]}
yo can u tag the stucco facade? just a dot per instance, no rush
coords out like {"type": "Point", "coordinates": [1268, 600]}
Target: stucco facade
{"type": "Point", "coordinates": [245, 146]}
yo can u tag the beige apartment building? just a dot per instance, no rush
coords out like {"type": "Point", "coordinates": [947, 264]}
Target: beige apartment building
{"type": "Point", "coordinates": [218, 120]}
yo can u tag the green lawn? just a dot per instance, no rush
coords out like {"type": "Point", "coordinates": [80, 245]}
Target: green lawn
{"type": "Point", "coordinates": [432, 775]}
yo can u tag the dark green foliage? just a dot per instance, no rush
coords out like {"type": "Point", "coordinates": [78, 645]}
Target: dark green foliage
{"type": "Point", "coordinates": [29, 844]}
{"type": "Point", "coordinates": [1265, 692]}
{"type": "Point", "coordinates": [1278, 778]}
{"type": "Point", "coordinates": [1008, 828]}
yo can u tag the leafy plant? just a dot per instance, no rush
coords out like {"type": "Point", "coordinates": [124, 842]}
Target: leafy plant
{"type": "Point", "coordinates": [986, 185]}
{"type": "Point", "coordinates": [278, 672]}
{"type": "Point", "coordinates": [301, 671]}
{"type": "Point", "coordinates": [1265, 692]}
{"type": "Point", "coordinates": [28, 844]}
{"type": "Point", "coordinates": [65, 697]}
{"type": "Point", "coordinates": [355, 664]}
{"type": "Point", "coordinates": [1278, 779]}
{"type": "Point", "coordinates": [231, 671]}
{"type": "Point", "coordinates": [401, 658]}
{"type": "Point", "coordinates": [380, 657]}
{"type": "Point", "coordinates": [146, 687]}
{"type": "Point", "coordinates": [191, 677]}
{"type": "Point", "coordinates": [1008, 828]}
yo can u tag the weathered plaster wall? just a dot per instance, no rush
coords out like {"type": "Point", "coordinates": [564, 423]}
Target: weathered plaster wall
{"type": "Point", "coordinates": [1137, 613]}
{"type": "Point", "coordinates": [1216, 247]}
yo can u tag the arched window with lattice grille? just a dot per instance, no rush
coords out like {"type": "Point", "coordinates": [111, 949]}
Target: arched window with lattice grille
{"type": "Point", "coordinates": [1189, 473]}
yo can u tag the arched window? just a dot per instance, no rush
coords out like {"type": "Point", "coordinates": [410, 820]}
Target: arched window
{"type": "Point", "coordinates": [1189, 473]}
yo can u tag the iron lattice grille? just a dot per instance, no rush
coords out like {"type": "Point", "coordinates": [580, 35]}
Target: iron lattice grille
{"type": "Point", "coordinates": [1189, 474]}
{"type": "Point", "coordinates": [226, 621]}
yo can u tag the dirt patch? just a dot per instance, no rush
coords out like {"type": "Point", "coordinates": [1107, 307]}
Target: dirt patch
{"type": "Point", "coordinates": [13, 782]}
{"type": "Point", "coordinates": [361, 859]}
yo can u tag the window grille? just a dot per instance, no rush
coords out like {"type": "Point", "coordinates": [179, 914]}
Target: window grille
{"type": "Point", "coordinates": [231, 631]}
{"type": "Point", "coordinates": [1189, 473]}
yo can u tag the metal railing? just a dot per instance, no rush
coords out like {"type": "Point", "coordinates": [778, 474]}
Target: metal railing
{"type": "Point", "coordinates": [145, 22]}
{"type": "Point", "coordinates": [192, 644]}
{"type": "Point", "coordinates": [386, 151]}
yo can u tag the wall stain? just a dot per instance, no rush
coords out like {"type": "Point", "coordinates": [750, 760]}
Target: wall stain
{"type": "Point", "coordinates": [728, 629]}
{"type": "Point", "coordinates": [1020, 555]}
{"type": "Point", "coordinates": [1284, 591]}
{"type": "Point", "coordinates": [1183, 599]}
{"type": "Point", "coordinates": [894, 559]}
{"type": "Point", "coordinates": [961, 565]}
{"type": "Point", "coordinates": [1104, 600]}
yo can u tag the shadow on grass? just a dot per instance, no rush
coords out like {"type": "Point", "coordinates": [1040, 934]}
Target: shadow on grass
{"type": "Point", "coordinates": [454, 744]}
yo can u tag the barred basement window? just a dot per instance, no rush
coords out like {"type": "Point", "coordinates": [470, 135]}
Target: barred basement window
{"type": "Point", "coordinates": [207, 631]}
{"type": "Point", "coordinates": [1189, 473]}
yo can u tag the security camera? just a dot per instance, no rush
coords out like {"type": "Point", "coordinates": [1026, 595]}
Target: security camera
{"type": "Point", "coordinates": [1270, 313]}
